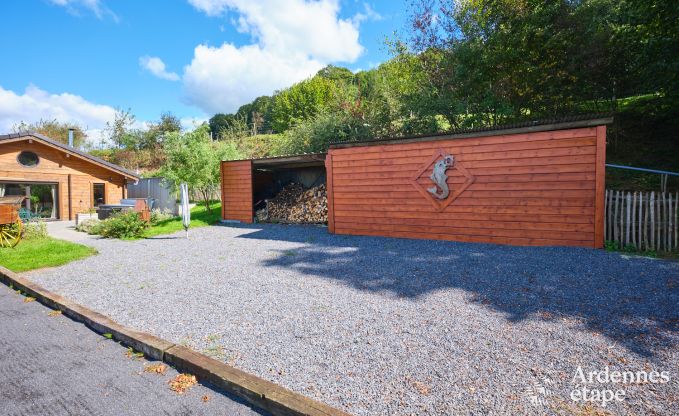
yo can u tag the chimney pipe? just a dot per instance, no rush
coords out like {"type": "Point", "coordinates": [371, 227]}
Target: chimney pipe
{"type": "Point", "coordinates": [70, 137]}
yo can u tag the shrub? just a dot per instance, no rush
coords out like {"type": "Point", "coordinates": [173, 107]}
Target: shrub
{"type": "Point", "coordinates": [127, 224]}
{"type": "Point", "coordinates": [34, 230]}
{"type": "Point", "coordinates": [158, 215]}
{"type": "Point", "coordinates": [316, 134]}
{"type": "Point", "coordinates": [88, 226]}
{"type": "Point", "coordinates": [96, 228]}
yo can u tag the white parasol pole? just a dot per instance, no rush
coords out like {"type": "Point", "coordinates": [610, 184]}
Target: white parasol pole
{"type": "Point", "coordinates": [186, 212]}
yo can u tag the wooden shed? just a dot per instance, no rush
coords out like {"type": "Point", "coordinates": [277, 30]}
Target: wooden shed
{"type": "Point", "coordinates": [537, 185]}
{"type": "Point", "coordinates": [59, 181]}
{"type": "Point", "coordinates": [245, 183]}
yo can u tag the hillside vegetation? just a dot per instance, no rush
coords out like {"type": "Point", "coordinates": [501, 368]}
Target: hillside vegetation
{"type": "Point", "coordinates": [482, 63]}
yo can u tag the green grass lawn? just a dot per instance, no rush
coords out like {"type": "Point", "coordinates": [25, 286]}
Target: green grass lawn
{"type": "Point", "coordinates": [199, 218]}
{"type": "Point", "coordinates": [42, 252]}
{"type": "Point", "coordinates": [49, 252]}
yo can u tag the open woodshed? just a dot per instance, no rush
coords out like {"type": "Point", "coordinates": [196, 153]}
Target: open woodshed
{"type": "Point", "coordinates": [537, 185]}
{"type": "Point", "coordinates": [287, 189]}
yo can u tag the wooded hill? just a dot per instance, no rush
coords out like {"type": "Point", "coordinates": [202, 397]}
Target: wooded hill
{"type": "Point", "coordinates": [473, 63]}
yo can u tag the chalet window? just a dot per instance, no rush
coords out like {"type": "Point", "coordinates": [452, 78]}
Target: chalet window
{"type": "Point", "coordinates": [98, 194]}
{"type": "Point", "coordinates": [28, 159]}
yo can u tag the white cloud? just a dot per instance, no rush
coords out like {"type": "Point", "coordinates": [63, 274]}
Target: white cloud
{"type": "Point", "coordinates": [310, 27]}
{"type": "Point", "coordinates": [192, 123]}
{"type": "Point", "coordinates": [291, 41]}
{"type": "Point", "coordinates": [368, 14]}
{"type": "Point", "coordinates": [223, 78]}
{"type": "Point", "coordinates": [35, 104]}
{"type": "Point", "coordinates": [156, 66]}
{"type": "Point", "coordinates": [95, 6]}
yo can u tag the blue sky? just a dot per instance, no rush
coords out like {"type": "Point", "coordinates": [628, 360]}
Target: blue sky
{"type": "Point", "coordinates": [76, 60]}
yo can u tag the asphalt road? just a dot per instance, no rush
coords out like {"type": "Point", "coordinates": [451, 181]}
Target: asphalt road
{"type": "Point", "coordinates": [51, 365]}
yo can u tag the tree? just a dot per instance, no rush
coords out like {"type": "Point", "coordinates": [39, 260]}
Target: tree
{"type": "Point", "coordinates": [153, 137]}
{"type": "Point", "coordinates": [168, 123]}
{"type": "Point", "coordinates": [55, 130]}
{"type": "Point", "coordinates": [237, 130]}
{"type": "Point", "coordinates": [119, 131]}
{"type": "Point", "coordinates": [316, 134]}
{"type": "Point", "coordinates": [648, 32]}
{"type": "Point", "coordinates": [256, 114]}
{"type": "Point", "coordinates": [336, 73]}
{"type": "Point", "coordinates": [399, 98]}
{"type": "Point", "coordinates": [220, 122]}
{"type": "Point", "coordinates": [300, 102]}
{"type": "Point", "coordinates": [506, 59]}
{"type": "Point", "coordinates": [193, 158]}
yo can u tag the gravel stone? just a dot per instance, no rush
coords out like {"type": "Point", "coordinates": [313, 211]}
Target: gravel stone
{"type": "Point", "coordinates": [394, 326]}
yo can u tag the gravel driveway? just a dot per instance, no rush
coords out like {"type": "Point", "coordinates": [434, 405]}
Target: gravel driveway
{"type": "Point", "coordinates": [394, 326]}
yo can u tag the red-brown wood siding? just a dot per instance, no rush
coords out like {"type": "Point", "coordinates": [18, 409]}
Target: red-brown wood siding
{"type": "Point", "coordinates": [330, 193]}
{"type": "Point", "coordinates": [237, 191]}
{"type": "Point", "coordinates": [600, 186]}
{"type": "Point", "coordinates": [542, 188]}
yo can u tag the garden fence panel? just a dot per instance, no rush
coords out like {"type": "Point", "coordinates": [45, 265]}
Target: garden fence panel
{"type": "Point", "coordinates": [157, 189]}
{"type": "Point", "coordinates": [642, 220]}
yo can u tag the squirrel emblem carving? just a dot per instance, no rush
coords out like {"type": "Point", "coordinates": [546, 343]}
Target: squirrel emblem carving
{"type": "Point", "coordinates": [439, 177]}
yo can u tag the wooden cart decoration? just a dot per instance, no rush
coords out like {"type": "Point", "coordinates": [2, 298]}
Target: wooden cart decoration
{"type": "Point", "coordinates": [11, 226]}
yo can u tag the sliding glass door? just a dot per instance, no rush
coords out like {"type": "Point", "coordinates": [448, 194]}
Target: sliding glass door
{"type": "Point", "coordinates": [41, 198]}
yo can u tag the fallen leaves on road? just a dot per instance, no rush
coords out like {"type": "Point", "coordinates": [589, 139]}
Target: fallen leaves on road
{"type": "Point", "coordinates": [157, 368]}
{"type": "Point", "coordinates": [545, 315]}
{"type": "Point", "coordinates": [205, 399]}
{"type": "Point", "coordinates": [422, 388]}
{"type": "Point", "coordinates": [131, 353]}
{"type": "Point", "coordinates": [54, 313]}
{"type": "Point", "coordinates": [29, 299]}
{"type": "Point", "coordinates": [182, 382]}
{"type": "Point", "coordinates": [580, 410]}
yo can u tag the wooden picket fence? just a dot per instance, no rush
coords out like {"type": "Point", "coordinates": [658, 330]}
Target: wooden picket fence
{"type": "Point", "coordinates": [645, 220]}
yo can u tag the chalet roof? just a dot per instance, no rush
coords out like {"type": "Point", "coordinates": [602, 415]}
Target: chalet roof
{"type": "Point", "coordinates": [68, 149]}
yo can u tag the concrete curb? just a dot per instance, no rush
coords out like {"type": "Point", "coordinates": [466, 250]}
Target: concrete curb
{"type": "Point", "coordinates": [254, 390]}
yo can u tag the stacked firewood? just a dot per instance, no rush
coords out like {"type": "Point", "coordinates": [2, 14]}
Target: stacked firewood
{"type": "Point", "coordinates": [294, 204]}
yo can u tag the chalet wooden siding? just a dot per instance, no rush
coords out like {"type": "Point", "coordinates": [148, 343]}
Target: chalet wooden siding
{"type": "Point", "coordinates": [535, 188]}
{"type": "Point", "coordinates": [73, 175]}
{"type": "Point", "coordinates": [237, 204]}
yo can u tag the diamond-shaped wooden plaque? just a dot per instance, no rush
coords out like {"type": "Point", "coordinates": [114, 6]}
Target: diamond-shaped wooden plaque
{"type": "Point", "coordinates": [440, 205]}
